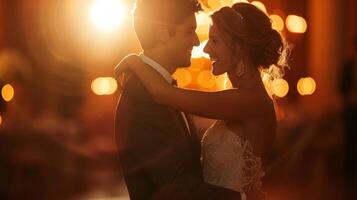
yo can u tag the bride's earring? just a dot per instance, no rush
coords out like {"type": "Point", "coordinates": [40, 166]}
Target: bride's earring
{"type": "Point", "coordinates": [240, 68]}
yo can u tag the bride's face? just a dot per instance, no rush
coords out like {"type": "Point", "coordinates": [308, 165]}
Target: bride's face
{"type": "Point", "coordinates": [220, 54]}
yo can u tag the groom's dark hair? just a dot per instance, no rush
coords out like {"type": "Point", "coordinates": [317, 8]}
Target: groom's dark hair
{"type": "Point", "coordinates": [149, 14]}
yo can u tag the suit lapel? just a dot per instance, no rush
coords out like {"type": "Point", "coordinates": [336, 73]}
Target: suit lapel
{"type": "Point", "coordinates": [192, 132]}
{"type": "Point", "coordinates": [191, 124]}
{"type": "Point", "coordinates": [179, 123]}
{"type": "Point", "coordinates": [191, 137]}
{"type": "Point", "coordinates": [195, 141]}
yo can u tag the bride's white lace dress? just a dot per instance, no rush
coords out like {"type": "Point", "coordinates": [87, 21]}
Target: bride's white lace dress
{"type": "Point", "coordinates": [229, 161]}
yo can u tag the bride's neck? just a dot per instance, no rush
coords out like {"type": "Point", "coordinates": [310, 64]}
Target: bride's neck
{"type": "Point", "coordinates": [249, 80]}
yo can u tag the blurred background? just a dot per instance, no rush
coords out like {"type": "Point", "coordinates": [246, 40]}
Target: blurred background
{"type": "Point", "coordinates": [58, 97]}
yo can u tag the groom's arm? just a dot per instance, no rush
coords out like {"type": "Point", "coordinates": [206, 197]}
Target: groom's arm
{"type": "Point", "coordinates": [157, 152]}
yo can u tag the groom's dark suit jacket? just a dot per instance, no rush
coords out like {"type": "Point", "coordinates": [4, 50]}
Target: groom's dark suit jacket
{"type": "Point", "coordinates": [160, 159]}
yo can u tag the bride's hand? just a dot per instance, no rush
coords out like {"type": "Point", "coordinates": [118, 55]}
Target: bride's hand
{"type": "Point", "coordinates": [126, 63]}
{"type": "Point", "coordinates": [155, 83]}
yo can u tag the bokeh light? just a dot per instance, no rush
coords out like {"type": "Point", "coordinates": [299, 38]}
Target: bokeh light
{"type": "Point", "coordinates": [280, 87]}
{"type": "Point", "coordinates": [197, 52]}
{"type": "Point", "coordinates": [197, 64]}
{"type": "Point", "coordinates": [104, 85]}
{"type": "Point", "coordinates": [212, 4]}
{"type": "Point", "coordinates": [259, 5]}
{"type": "Point", "coordinates": [206, 79]}
{"type": "Point", "coordinates": [277, 22]}
{"type": "Point", "coordinates": [7, 92]}
{"type": "Point", "coordinates": [0, 120]}
{"type": "Point", "coordinates": [203, 23]}
{"type": "Point", "coordinates": [240, 1]}
{"type": "Point", "coordinates": [296, 24]}
{"type": "Point", "coordinates": [306, 86]}
{"type": "Point", "coordinates": [107, 15]}
{"type": "Point", "coordinates": [227, 2]}
{"type": "Point", "coordinates": [183, 77]}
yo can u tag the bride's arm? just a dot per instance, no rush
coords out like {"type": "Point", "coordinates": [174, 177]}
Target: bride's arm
{"type": "Point", "coordinates": [228, 104]}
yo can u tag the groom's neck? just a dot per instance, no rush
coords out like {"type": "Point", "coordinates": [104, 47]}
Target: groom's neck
{"type": "Point", "coordinates": [162, 59]}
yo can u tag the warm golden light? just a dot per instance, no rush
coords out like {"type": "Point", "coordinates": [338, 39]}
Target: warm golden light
{"type": "Point", "coordinates": [183, 77]}
{"type": "Point", "coordinates": [203, 23]}
{"type": "Point", "coordinates": [203, 19]}
{"type": "Point", "coordinates": [259, 5]}
{"type": "Point", "coordinates": [227, 2]}
{"type": "Point", "coordinates": [0, 120]}
{"type": "Point", "coordinates": [280, 87]}
{"type": "Point", "coordinates": [213, 4]}
{"type": "Point", "coordinates": [197, 52]}
{"type": "Point", "coordinates": [104, 85]}
{"type": "Point", "coordinates": [107, 15]}
{"type": "Point", "coordinates": [267, 84]}
{"type": "Point", "coordinates": [296, 24]}
{"type": "Point", "coordinates": [277, 22]}
{"type": "Point", "coordinates": [7, 92]}
{"type": "Point", "coordinates": [240, 1]}
{"type": "Point", "coordinates": [197, 64]}
{"type": "Point", "coordinates": [205, 79]}
{"type": "Point", "coordinates": [227, 83]}
{"type": "Point", "coordinates": [222, 82]}
{"type": "Point", "coordinates": [306, 86]}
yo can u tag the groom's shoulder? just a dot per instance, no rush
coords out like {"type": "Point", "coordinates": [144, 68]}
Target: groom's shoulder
{"type": "Point", "coordinates": [132, 86]}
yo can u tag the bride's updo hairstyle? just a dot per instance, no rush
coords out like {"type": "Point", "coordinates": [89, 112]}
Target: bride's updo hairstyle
{"type": "Point", "coordinates": [246, 25]}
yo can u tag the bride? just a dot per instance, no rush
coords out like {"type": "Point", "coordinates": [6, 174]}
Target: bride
{"type": "Point", "coordinates": [234, 149]}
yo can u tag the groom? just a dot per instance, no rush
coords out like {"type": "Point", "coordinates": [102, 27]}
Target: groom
{"type": "Point", "coordinates": [157, 145]}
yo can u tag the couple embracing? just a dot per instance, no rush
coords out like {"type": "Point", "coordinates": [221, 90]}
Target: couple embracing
{"type": "Point", "coordinates": [161, 155]}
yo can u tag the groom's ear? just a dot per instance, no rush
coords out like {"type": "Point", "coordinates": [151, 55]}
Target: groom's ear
{"type": "Point", "coordinates": [162, 34]}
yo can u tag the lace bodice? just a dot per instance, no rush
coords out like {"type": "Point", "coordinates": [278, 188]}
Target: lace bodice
{"type": "Point", "coordinates": [228, 161]}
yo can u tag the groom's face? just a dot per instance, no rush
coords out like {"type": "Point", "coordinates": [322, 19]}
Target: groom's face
{"type": "Point", "coordinates": [181, 43]}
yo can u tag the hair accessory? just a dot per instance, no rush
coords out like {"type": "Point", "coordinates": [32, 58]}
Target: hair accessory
{"type": "Point", "coordinates": [240, 15]}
